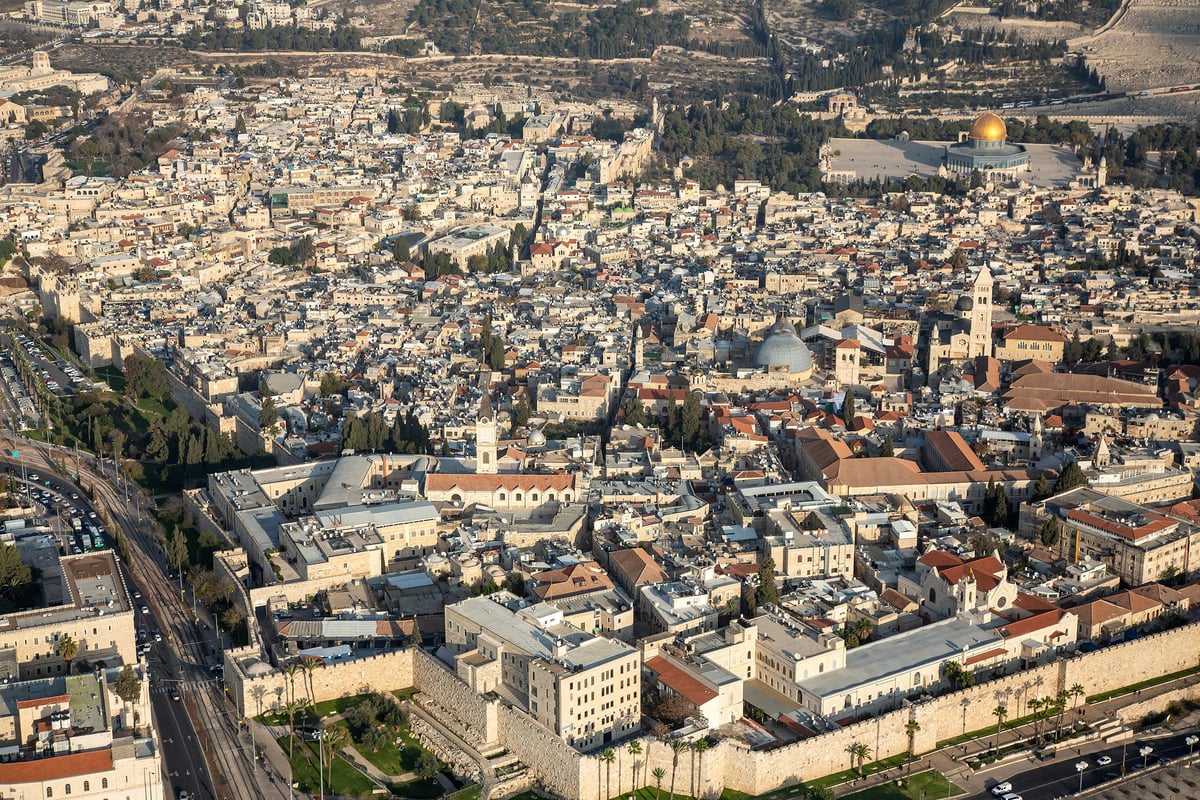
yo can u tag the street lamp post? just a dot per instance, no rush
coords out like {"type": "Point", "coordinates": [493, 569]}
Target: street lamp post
{"type": "Point", "coordinates": [1080, 766]}
{"type": "Point", "coordinates": [1144, 751]}
{"type": "Point", "coordinates": [320, 737]}
{"type": "Point", "coordinates": [1191, 742]}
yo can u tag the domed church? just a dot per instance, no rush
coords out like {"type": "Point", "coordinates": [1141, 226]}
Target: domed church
{"type": "Point", "coordinates": [985, 148]}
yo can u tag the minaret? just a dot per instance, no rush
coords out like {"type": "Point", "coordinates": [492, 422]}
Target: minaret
{"type": "Point", "coordinates": [1102, 173]}
{"type": "Point", "coordinates": [485, 437]}
{"type": "Point", "coordinates": [639, 347]}
{"type": "Point", "coordinates": [981, 320]}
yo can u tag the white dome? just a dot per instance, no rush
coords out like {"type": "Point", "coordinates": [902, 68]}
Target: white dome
{"type": "Point", "coordinates": [783, 348]}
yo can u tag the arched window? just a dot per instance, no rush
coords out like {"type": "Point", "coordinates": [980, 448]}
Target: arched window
{"type": "Point", "coordinates": [517, 497]}
{"type": "Point", "coordinates": [533, 497]}
{"type": "Point", "coordinates": [848, 701]}
{"type": "Point", "coordinates": [87, 786]}
{"type": "Point", "coordinates": [104, 783]}
{"type": "Point", "coordinates": [932, 595]}
{"type": "Point", "coordinates": [916, 679]}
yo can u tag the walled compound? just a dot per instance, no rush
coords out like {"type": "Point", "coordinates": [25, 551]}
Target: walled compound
{"type": "Point", "coordinates": [488, 723]}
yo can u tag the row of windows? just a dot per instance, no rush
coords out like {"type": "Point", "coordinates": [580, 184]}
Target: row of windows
{"type": "Point", "coordinates": [87, 787]}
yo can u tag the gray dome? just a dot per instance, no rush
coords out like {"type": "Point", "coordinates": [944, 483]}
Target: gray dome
{"type": "Point", "coordinates": [783, 348]}
{"type": "Point", "coordinates": [965, 303]}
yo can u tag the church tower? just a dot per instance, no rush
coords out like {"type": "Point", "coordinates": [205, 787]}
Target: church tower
{"type": "Point", "coordinates": [485, 437]}
{"type": "Point", "coordinates": [1036, 438]}
{"type": "Point", "coordinates": [1103, 456]}
{"type": "Point", "coordinates": [981, 319]}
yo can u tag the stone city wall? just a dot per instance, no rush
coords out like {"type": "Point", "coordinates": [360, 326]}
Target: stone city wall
{"type": "Point", "coordinates": [940, 718]}
{"type": "Point", "coordinates": [1132, 662]}
{"type": "Point", "coordinates": [253, 695]}
{"type": "Point", "coordinates": [1134, 712]}
{"type": "Point", "coordinates": [558, 766]}
{"type": "Point", "coordinates": [569, 774]}
{"type": "Point", "coordinates": [461, 764]}
{"type": "Point", "coordinates": [474, 717]}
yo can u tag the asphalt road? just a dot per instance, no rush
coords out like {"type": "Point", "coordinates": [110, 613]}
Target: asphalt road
{"type": "Point", "coordinates": [1061, 778]}
{"type": "Point", "coordinates": [183, 761]}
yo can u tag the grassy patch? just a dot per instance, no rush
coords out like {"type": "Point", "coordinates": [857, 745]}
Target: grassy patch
{"type": "Point", "coordinates": [114, 377]}
{"type": "Point", "coordinates": [152, 406]}
{"type": "Point", "coordinates": [1133, 687]}
{"type": "Point", "coordinates": [469, 793]}
{"type": "Point", "coordinates": [422, 789]}
{"type": "Point", "coordinates": [848, 774]}
{"type": "Point", "coordinates": [397, 760]}
{"type": "Point", "coordinates": [922, 786]}
{"type": "Point", "coordinates": [305, 760]}
{"type": "Point", "coordinates": [404, 694]}
{"type": "Point", "coordinates": [337, 705]}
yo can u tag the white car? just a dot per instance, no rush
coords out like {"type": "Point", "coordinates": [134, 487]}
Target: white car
{"type": "Point", "coordinates": [1001, 788]}
{"type": "Point", "coordinates": [1011, 796]}
{"type": "Point", "coordinates": [1104, 761]}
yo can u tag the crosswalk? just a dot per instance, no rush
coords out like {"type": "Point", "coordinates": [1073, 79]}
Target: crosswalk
{"type": "Point", "coordinates": [182, 686]}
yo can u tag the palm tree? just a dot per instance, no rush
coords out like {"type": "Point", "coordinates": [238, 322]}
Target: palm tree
{"type": "Point", "coordinates": [291, 708]}
{"type": "Point", "coordinates": [912, 727]}
{"type": "Point", "coordinates": [258, 692]}
{"type": "Point", "coordinates": [635, 749]}
{"type": "Point", "coordinates": [861, 752]}
{"type": "Point", "coordinates": [699, 747]}
{"type": "Point", "coordinates": [677, 747]}
{"type": "Point", "coordinates": [863, 628]}
{"type": "Point", "coordinates": [67, 648]}
{"type": "Point", "coordinates": [290, 670]}
{"type": "Point", "coordinates": [1001, 711]}
{"type": "Point", "coordinates": [1060, 708]}
{"type": "Point", "coordinates": [1036, 705]}
{"type": "Point", "coordinates": [608, 757]}
{"type": "Point", "coordinates": [310, 665]}
{"type": "Point", "coordinates": [1078, 692]}
{"type": "Point", "coordinates": [658, 773]}
{"type": "Point", "coordinates": [336, 738]}
{"type": "Point", "coordinates": [620, 777]}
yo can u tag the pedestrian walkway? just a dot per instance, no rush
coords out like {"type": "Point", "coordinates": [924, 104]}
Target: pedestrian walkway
{"type": "Point", "coordinates": [952, 761]}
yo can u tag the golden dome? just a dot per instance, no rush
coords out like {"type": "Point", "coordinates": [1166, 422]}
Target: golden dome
{"type": "Point", "coordinates": [988, 127]}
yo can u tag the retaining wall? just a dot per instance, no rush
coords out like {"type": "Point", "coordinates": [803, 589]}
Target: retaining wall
{"type": "Point", "coordinates": [476, 718]}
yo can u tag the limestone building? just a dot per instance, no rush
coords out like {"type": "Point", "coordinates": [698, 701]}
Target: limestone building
{"type": "Point", "coordinates": [584, 688]}
{"type": "Point", "coordinates": [96, 613]}
{"type": "Point", "coordinates": [1137, 544]}
{"type": "Point", "coordinates": [71, 736]}
{"type": "Point", "coordinates": [42, 76]}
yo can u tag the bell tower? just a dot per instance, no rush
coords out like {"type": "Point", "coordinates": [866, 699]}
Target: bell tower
{"type": "Point", "coordinates": [981, 319]}
{"type": "Point", "coordinates": [485, 437]}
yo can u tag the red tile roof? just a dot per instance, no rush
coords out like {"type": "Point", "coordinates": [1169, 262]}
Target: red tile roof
{"type": "Point", "coordinates": [58, 767]}
{"type": "Point", "coordinates": [679, 681]}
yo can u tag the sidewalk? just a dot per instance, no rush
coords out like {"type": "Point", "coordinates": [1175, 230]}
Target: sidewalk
{"type": "Point", "coordinates": [952, 760]}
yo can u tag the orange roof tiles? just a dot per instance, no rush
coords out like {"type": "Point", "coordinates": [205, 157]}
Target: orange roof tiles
{"type": "Point", "coordinates": [56, 768]}
{"type": "Point", "coordinates": [679, 681]}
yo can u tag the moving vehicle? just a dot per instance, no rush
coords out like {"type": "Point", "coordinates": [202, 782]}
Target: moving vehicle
{"type": "Point", "coordinates": [1001, 788]}
{"type": "Point", "coordinates": [1104, 761]}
